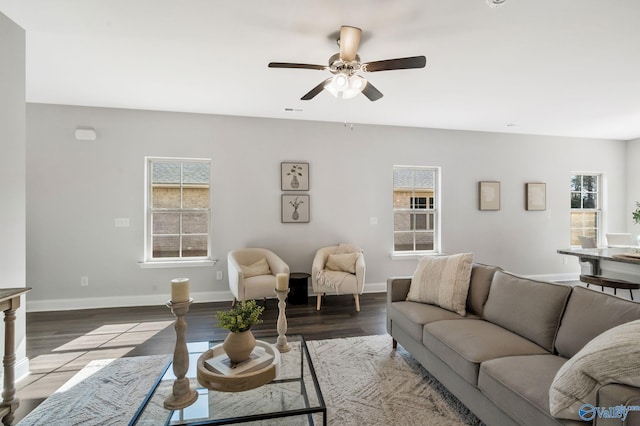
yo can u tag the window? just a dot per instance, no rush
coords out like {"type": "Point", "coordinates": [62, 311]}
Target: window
{"type": "Point", "coordinates": [178, 212]}
{"type": "Point", "coordinates": [586, 213]}
{"type": "Point", "coordinates": [415, 209]}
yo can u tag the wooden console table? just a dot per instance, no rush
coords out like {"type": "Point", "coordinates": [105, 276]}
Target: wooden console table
{"type": "Point", "coordinates": [9, 303]}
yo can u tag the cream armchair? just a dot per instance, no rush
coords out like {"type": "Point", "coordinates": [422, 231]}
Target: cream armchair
{"type": "Point", "coordinates": [338, 269]}
{"type": "Point", "coordinates": [252, 273]}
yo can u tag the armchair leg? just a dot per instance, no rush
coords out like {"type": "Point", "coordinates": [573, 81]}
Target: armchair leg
{"type": "Point", "coordinates": [394, 344]}
{"type": "Point", "coordinates": [233, 302]}
{"type": "Point", "coordinates": [357, 299]}
{"type": "Point", "coordinates": [319, 301]}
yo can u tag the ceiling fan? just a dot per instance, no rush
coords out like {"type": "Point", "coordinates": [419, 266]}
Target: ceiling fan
{"type": "Point", "coordinates": [344, 65]}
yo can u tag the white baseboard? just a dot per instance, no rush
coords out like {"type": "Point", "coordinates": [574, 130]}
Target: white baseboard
{"type": "Point", "coordinates": [201, 297]}
{"type": "Point", "coordinates": [375, 287]}
{"type": "Point", "coordinates": [119, 301]}
{"type": "Point", "coordinates": [146, 300]}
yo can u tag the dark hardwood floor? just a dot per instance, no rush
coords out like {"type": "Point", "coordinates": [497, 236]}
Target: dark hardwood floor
{"type": "Point", "coordinates": [59, 344]}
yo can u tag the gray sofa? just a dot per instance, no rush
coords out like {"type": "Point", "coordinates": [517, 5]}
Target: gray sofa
{"type": "Point", "coordinates": [501, 358]}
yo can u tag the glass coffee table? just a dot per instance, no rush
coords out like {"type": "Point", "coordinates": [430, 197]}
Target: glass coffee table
{"type": "Point", "coordinates": [293, 397]}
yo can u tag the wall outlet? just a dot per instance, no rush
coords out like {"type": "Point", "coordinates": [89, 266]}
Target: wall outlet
{"type": "Point", "coordinates": [219, 275]}
{"type": "Point", "coordinates": [84, 281]}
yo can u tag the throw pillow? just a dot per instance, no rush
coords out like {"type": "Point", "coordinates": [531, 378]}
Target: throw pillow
{"type": "Point", "coordinates": [261, 267]}
{"type": "Point", "coordinates": [442, 281]}
{"type": "Point", "coordinates": [611, 357]}
{"type": "Point", "coordinates": [342, 262]}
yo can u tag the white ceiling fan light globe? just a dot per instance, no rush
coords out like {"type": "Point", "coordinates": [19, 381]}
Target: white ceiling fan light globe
{"type": "Point", "coordinates": [340, 81]}
{"type": "Point", "coordinates": [356, 85]}
{"type": "Point", "coordinates": [337, 85]}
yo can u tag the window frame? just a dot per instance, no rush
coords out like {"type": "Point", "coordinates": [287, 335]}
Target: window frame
{"type": "Point", "coordinates": [150, 211]}
{"type": "Point", "coordinates": [598, 209]}
{"type": "Point", "coordinates": [433, 210]}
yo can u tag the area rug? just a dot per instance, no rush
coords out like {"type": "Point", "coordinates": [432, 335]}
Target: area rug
{"type": "Point", "coordinates": [363, 381]}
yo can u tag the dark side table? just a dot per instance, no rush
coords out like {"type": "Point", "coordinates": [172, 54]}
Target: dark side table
{"type": "Point", "coordinates": [298, 288]}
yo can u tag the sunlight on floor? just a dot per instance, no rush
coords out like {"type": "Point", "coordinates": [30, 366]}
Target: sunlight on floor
{"type": "Point", "coordinates": [98, 347]}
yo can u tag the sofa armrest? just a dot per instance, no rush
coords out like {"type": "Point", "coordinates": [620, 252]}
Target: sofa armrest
{"type": "Point", "coordinates": [397, 288]}
{"type": "Point", "coordinates": [614, 395]}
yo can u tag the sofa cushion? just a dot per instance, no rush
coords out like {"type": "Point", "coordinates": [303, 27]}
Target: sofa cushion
{"type": "Point", "coordinates": [519, 385]}
{"type": "Point", "coordinates": [261, 267]}
{"type": "Point", "coordinates": [479, 286]}
{"type": "Point", "coordinates": [527, 307]}
{"type": "Point", "coordinates": [588, 314]}
{"type": "Point", "coordinates": [442, 281]}
{"type": "Point", "coordinates": [412, 316]}
{"type": "Point", "coordinates": [465, 344]}
{"type": "Point", "coordinates": [611, 357]}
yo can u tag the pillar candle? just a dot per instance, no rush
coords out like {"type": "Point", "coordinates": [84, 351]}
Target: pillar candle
{"type": "Point", "coordinates": [282, 282]}
{"type": "Point", "coordinates": [180, 290]}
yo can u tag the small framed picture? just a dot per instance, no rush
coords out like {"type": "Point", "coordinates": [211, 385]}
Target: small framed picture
{"type": "Point", "coordinates": [536, 194]}
{"type": "Point", "coordinates": [294, 176]}
{"type": "Point", "coordinates": [489, 195]}
{"type": "Point", "coordinates": [295, 208]}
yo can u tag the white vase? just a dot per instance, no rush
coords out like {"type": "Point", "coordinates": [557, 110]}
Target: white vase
{"type": "Point", "coordinates": [238, 346]}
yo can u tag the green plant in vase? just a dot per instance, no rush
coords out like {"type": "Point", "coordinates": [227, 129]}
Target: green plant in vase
{"type": "Point", "coordinates": [636, 213]}
{"type": "Point", "coordinates": [238, 320]}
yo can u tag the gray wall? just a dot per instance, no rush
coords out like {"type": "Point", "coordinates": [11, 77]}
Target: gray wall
{"type": "Point", "coordinates": [76, 189]}
{"type": "Point", "coordinates": [12, 173]}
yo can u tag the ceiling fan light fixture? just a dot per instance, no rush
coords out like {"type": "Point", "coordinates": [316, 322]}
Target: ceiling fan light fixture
{"type": "Point", "coordinates": [345, 87]}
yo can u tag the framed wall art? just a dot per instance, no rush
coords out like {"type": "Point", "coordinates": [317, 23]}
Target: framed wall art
{"type": "Point", "coordinates": [536, 194]}
{"type": "Point", "coordinates": [295, 208]}
{"type": "Point", "coordinates": [294, 176]}
{"type": "Point", "coordinates": [489, 195]}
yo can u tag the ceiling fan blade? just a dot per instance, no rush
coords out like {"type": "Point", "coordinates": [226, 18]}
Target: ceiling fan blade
{"type": "Point", "coordinates": [349, 42]}
{"type": "Point", "coordinates": [371, 92]}
{"type": "Point", "coordinates": [292, 65]}
{"type": "Point", "coordinates": [395, 64]}
{"type": "Point", "coordinates": [313, 92]}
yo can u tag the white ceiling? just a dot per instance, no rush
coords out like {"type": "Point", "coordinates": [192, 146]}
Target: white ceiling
{"type": "Point", "coordinates": [551, 67]}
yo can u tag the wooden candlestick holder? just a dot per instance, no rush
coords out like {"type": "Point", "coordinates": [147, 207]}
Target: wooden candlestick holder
{"type": "Point", "coordinates": [281, 343]}
{"type": "Point", "coordinates": [182, 395]}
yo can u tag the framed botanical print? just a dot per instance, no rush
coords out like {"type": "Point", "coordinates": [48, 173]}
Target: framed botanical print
{"type": "Point", "coordinates": [295, 208]}
{"type": "Point", "coordinates": [294, 176]}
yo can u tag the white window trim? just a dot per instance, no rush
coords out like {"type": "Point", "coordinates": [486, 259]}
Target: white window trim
{"type": "Point", "coordinates": [601, 205]}
{"type": "Point", "coordinates": [171, 262]}
{"type": "Point", "coordinates": [437, 247]}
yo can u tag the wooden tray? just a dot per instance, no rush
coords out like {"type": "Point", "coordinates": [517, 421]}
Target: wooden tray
{"type": "Point", "coordinates": [239, 382]}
